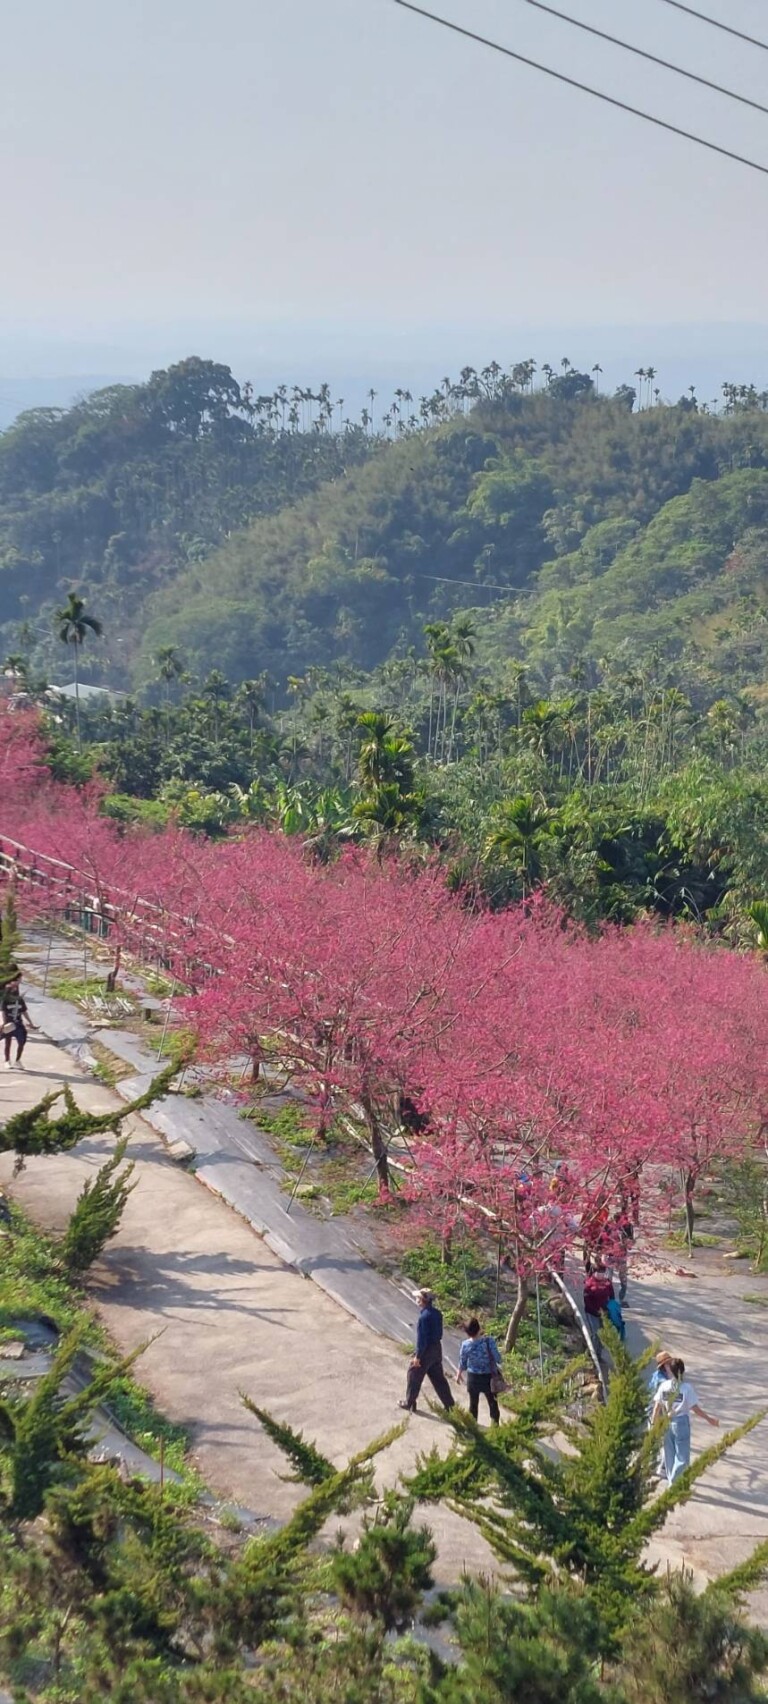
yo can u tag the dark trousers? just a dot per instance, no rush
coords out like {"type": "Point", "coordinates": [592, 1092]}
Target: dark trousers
{"type": "Point", "coordinates": [19, 1035]}
{"type": "Point", "coordinates": [431, 1368]}
{"type": "Point", "coordinates": [479, 1384]}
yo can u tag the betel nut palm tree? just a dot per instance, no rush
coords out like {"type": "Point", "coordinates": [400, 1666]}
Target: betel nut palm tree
{"type": "Point", "coordinates": [73, 624]}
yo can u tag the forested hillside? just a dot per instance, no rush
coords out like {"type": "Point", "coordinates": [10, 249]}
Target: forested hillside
{"type": "Point", "coordinates": [272, 534]}
{"type": "Point", "coordinates": [118, 494]}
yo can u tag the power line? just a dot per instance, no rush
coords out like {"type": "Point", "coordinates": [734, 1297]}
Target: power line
{"type": "Point", "coordinates": [704, 18]}
{"type": "Point", "coordinates": [573, 83]}
{"type": "Point", "coordinates": [653, 58]}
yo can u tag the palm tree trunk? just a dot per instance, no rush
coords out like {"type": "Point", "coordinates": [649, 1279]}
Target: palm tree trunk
{"type": "Point", "coordinates": [77, 696]}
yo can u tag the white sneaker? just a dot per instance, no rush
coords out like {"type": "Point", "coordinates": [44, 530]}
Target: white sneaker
{"type": "Point", "coordinates": [20, 1066]}
{"type": "Point", "coordinates": [7, 1065]}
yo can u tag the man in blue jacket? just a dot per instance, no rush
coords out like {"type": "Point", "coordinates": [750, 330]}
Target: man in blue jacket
{"type": "Point", "coordinates": [428, 1359]}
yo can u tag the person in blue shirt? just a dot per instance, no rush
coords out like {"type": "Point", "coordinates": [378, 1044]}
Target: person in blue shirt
{"type": "Point", "coordinates": [428, 1359]}
{"type": "Point", "coordinates": [616, 1317]}
{"type": "Point", "coordinates": [479, 1359]}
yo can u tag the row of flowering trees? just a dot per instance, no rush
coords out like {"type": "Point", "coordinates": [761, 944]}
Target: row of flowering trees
{"type": "Point", "coordinates": [536, 1076]}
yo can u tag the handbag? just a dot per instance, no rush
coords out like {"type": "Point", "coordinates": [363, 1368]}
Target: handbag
{"type": "Point", "coordinates": [498, 1381]}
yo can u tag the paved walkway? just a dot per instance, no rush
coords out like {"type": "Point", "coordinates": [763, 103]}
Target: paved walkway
{"type": "Point", "coordinates": [231, 1316]}
{"type": "Point", "coordinates": [234, 1315]}
{"type": "Point", "coordinates": [238, 1161]}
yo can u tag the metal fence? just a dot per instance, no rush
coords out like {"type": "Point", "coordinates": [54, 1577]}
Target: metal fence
{"type": "Point", "coordinates": [156, 937]}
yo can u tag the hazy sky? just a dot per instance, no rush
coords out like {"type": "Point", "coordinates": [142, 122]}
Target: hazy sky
{"type": "Point", "coordinates": [295, 163]}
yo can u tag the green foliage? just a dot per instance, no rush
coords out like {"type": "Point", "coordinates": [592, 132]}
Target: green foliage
{"type": "Point", "coordinates": [137, 482]}
{"type": "Point", "coordinates": [312, 1468]}
{"type": "Point", "coordinates": [585, 1515]}
{"type": "Point", "coordinates": [10, 938]}
{"type": "Point", "coordinates": [690, 1648]}
{"type": "Point", "coordinates": [97, 1212]}
{"type": "Point", "coordinates": [758, 914]}
{"type": "Point", "coordinates": [544, 1653]}
{"type": "Point", "coordinates": [33, 1132]}
{"type": "Point", "coordinates": [742, 1189]}
{"type": "Point", "coordinates": [112, 1593]}
{"type": "Point", "coordinates": [389, 1571]}
{"type": "Point", "coordinates": [42, 1432]}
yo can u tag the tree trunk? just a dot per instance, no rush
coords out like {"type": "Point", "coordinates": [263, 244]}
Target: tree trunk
{"type": "Point", "coordinates": [690, 1184]}
{"type": "Point", "coordinates": [378, 1145]}
{"type": "Point", "coordinates": [518, 1312]}
{"type": "Point", "coordinates": [77, 697]}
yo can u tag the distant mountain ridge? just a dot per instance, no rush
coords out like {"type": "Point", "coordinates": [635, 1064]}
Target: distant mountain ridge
{"type": "Point", "coordinates": [272, 533]}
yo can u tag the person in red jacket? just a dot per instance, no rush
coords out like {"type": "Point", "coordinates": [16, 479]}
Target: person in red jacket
{"type": "Point", "coordinates": [598, 1292]}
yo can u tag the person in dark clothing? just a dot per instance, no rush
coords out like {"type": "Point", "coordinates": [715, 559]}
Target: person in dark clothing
{"type": "Point", "coordinates": [479, 1359]}
{"type": "Point", "coordinates": [624, 1236]}
{"type": "Point", "coordinates": [15, 1022]}
{"type": "Point", "coordinates": [598, 1292]}
{"type": "Point", "coordinates": [428, 1359]}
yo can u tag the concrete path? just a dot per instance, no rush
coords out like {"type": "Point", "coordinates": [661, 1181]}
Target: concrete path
{"type": "Point", "coordinates": [231, 1317]}
{"type": "Point", "coordinates": [236, 1316]}
{"type": "Point", "coordinates": [238, 1161]}
{"type": "Point", "coordinates": [722, 1339]}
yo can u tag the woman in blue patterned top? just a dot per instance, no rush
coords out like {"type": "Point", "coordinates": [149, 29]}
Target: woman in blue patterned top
{"type": "Point", "coordinates": [479, 1359]}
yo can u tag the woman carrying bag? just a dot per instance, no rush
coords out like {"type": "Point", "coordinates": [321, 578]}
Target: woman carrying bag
{"type": "Point", "coordinates": [479, 1358]}
{"type": "Point", "coordinates": [15, 1020]}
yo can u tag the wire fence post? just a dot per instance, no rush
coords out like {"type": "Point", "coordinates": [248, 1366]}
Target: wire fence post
{"type": "Point", "coordinates": [161, 1048]}
{"type": "Point", "coordinates": [304, 1164]}
{"type": "Point", "coordinates": [538, 1328]}
{"type": "Point", "coordinates": [47, 970]}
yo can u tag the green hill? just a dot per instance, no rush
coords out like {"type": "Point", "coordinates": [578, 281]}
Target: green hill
{"type": "Point", "coordinates": [692, 585]}
{"type": "Point", "coordinates": [257, 534]}
{"type": "Point", "coordinates": [573, 529]}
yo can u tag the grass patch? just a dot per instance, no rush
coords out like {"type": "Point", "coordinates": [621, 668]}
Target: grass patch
{"type": "Point", "coordinates": [75, 989]}
{"type": "Point", "coordinates": [177, 1048]}
{"type": "Point", "coordinates": [108, 1069]}
{"type": "Point", "coordinates": [31, 1284]}
{"type": "Point", "coordinates": [158, 984]}
{"type": "Point", "coordinates": [344, 1191]}
{"type": "Point", "coordinates": [701, 1239]}
{"type": "Point", "coordinates": [33, 1287]}
{"type": "Point", "coordinates": [230, 1521]}
{"type": "Point", "coordinates": [756, 1301]}
{"type": "Point", "coordinates": [340, 1171]}
{"type": "Point", "coordinates": [78, 992]}
{"type": "Point", "coordinates": [287, 1123]}
{"type": "Point", "coordinates": [135, 1411]}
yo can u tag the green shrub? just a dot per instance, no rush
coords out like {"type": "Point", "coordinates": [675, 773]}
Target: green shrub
{"type": "Point", "coordinates": [97, 1212]}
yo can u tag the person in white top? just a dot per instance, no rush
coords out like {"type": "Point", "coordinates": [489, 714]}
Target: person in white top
{"type": "Point", "coordinates": [677, 1398]}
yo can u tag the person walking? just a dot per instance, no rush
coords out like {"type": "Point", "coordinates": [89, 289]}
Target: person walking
{"type": "Point", "coordinates": [623, 1233]}
{"type": "Point", "coordinates": [15, 1021]}
{"type": "Point", "coordinates": [661, 1374]}
{"type": "Point", "coordinates": [664, 1362]}
{"type": "Point", "coordinates": [598, 1292]}
{"type": "Point", "coordinates": [428, 1359]}
{"type": "Point", "coordinates": [479, 1358]}
{"type": "Point", "coordinates": [677, 1398]}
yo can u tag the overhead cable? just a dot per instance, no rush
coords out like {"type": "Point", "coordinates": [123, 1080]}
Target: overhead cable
{"type": "Point", "coordinates": [642, 53]}
{"type": "Point", "coordinates": [574, 83]}
{"type": "Point", "coordinates": [717, 24]}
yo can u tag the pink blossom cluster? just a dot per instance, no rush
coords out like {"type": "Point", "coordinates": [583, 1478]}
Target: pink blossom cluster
{"type": "Point", "coordinates": [525, 1074]}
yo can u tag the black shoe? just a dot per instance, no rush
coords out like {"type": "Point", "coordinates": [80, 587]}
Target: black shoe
{"type": "Point", "coordinates": [409, 1406]}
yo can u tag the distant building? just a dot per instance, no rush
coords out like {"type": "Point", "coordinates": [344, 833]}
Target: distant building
{"type": "Point", "coordinates": [88, 694]}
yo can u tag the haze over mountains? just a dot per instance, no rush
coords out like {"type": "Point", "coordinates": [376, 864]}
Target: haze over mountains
{"type": "Point", "coordinates": [42, 368]}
